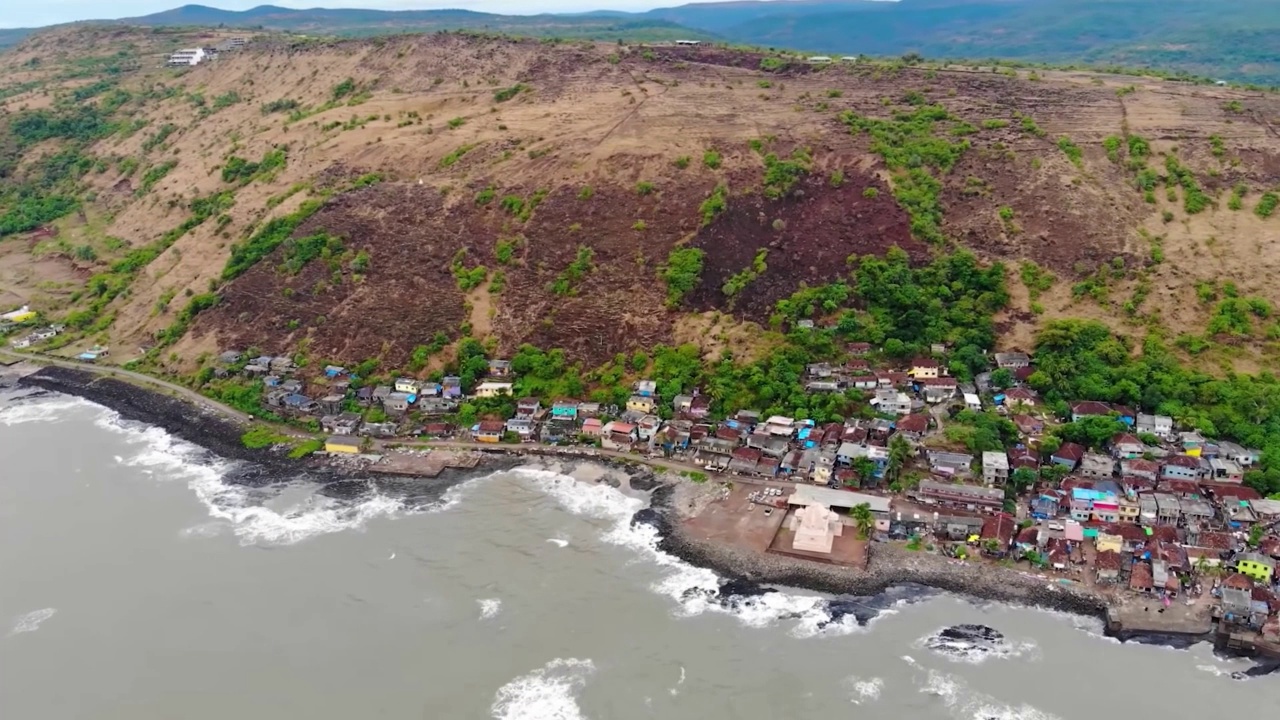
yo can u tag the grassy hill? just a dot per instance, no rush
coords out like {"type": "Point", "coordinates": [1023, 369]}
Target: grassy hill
{"type": "Point", "coordinates": [387, 199]}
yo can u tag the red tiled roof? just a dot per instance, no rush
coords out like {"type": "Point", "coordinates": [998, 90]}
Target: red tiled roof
{"type": "Point", "coordinates": [1185, 461]}
{"type": "Point", "coordinates": [1109, 560]}
{"type": "Point", "coordinates": [925, 363]}
{"type": "Point", "coordinates": [728, 433]}
{"type": "Point", "coordinates": [746, 453]}
{"type": "Point", "coordinates": [489, 426]}
{"type": "Point", "coordinates": [1091, 407]}
{"type": "Point", "coordinates": [1180, 487]}
{"type": "Point", "coordinates": [916, 423]}
{"type": "Point", "coordinates": [1070, 451]}
{"type": "Point", "coordinates": [1000, 526]}
{"type": "Point", "coordinates": [1140, 576]}
{"type": "Point", "coordinates": [1023, 458]}
{"type": "Point", "coordinates": [1222, 491]}
{"type": "Point", "coordinates": [1236, 581]}
{"type": "Point", "coordinates": [1023, 394]}
{"type": "Point", "coordinates": [1021, 374]}
{"type": "Point", "coordinates": [1164, 534]}
{"type": "Point", "coordinates": [1029, 535]}
{"type": "Point", "coordinates": [1270, 545]}
{"type": "Point", "coordinates": [939, 382]}
{"type": "Point", "coordinates": [1137, 465]}
{"type": "Point", "coordinates": [1125, 439]}
{"type": "Point", "coordinates": [1216, 540]}
{"type": "Point", "coordinates": [1128, 532]}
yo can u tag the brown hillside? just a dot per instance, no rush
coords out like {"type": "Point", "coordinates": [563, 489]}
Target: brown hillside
{"type": "Point", "coordinates": [424, 115]}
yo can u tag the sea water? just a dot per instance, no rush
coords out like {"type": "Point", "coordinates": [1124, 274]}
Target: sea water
{"type": "Point", "coordinates": [136, 583]}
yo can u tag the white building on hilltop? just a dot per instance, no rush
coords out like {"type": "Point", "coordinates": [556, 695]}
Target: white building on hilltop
{"type": "Point", "coordinates": [188, 57]}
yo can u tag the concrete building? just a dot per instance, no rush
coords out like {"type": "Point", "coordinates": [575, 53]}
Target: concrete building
{"type": "Point", "coordinates": [188, 57]}
{"type": "Point", "coordinates": [995, 468]}
{"type": "Point", "coordinates": [815, 527]}
{"type": "Point", "coordinates": [342, 444]}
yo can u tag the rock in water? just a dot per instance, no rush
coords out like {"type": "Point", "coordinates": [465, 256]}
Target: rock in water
{"type": "Point", "coordinates": [972, 643]}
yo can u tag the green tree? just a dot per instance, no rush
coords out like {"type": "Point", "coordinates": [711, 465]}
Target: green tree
{"type": "Point", "coordinates": [863, 520]}
{"type": "Point", "coordinates": [1002, 378]}
{"type": "Point", "coordinates": [865, 469]}
{"type": "Point", "coordinates": [899, 456]}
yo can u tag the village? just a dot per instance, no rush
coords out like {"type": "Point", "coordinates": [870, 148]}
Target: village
{"type": "Point", "coordinates": [1152, 514]}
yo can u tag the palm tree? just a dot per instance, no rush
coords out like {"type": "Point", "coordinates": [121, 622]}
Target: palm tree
{"type": "Point", "coordinates": [899, 454]}
{"type": "Point", "coordinates": [862, 519]}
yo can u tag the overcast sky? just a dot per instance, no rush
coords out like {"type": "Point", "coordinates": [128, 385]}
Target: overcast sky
{"type": "Point", "coordinates": [27, 13]}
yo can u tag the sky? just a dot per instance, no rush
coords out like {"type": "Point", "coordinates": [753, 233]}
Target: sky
{"type": "Point", "coordinates": [22, 13]}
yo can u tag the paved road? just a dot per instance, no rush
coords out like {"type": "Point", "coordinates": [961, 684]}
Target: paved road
{"type": "Point", "coordinates": [118, 372]}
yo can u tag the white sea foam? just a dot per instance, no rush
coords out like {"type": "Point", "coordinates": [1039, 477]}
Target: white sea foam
{"type": "Point", "coordinates": [694, 589]}
{"type": "Point", "coordinates": [489, 607]}
{"type": "Point", "coordinates": [548, 693]}
{"type": "Point", "coordinates": [863, 690]}
{"type": "Point", "coordinates": [46, 408]}
{"type": "Point", "coordinates": [163, 455]}
{"type": "Point", "coordinates": [31, 621]}
{"type": "Point", "coordinates": [964, 703]}
{"type": "Point", "coordinates": [676, 690]}
{"type": "Point", "coordinates": [558, 542]}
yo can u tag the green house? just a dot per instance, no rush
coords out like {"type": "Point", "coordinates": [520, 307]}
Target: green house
{"type": "Point", "coordinates": [1257, 566]}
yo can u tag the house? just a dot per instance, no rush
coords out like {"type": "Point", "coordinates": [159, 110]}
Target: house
{"type": "Point", "coordinates": [1128, 509]}
{"type": "Point", "coordinates": [1046, 505]}
{"type": "Point", "coordinates": [1023, 457]}
{"type": "Point", "coordinates": [522, 427]}
{"type": "Point", "coordinates": [617, 435]}
{"type": "Point", "coordinates": [499, 368]}
{"type": "Point", "coordinates": [1245, 457]}
{"type": "Point", "coordinates": [859, 349]}
{"type": "Point", "coordinates": [230, 357]}
{"type": "Point", "coordinates": [345, 424]}
{"type": "Point", "coordinates": [768, 444]}
{"type": "Point", "coordinates": [490, 431]}
{"type": "Point", "coordinates": [430, 389]}
{"type": "Point", "coordinates": [342, 444]}
{"type": "Point", "coordinates": [292, 385]}
{"type": "Point", "coordinates": [1180, 467]}
{"type": "Point", "coordinates": [334, 371]}
{"type": "Point", "coordinates": [1107, 565]}
{"type": "Point", "coordinates": [891, 402]}
{"type": "Point", "coordinates": [957, 527]}
{"type": "Point", "coordinates": [913, 427]}
{"type": "Point", "coordinates": [492, 389]}
{"type": "Point", "coordinates": [1126, 446]}
{"type": "Point", "coordinates": [1029, 426]}
{"type": "Point", "coordinates": [1012, 360]}
{"type": "Point", "coordinates": [1158, 425]}
{"type": "Point", "coordinates": [1140, 578]}
{"type": "Point", "coordinates": [1021, 396]}
{"type": "Point", "coordinates": [1094, 465]}
{"type": "Point", "coordinates": [995, 467]}
{"type": "Point", "coordinates": [1136, 467]}
{"type": "Point", "coordinates": [1089, 408]}
{"type": "Point", "coordinates": [950, 464]}
{"type": "Point", "coordinates": [528, 407]}
{"type": "Point", "coordinates": [864, 382]}
{"type": "Point", "coordinates": [437, 430]}
{"type": "Point", "coordinates": [826, 385]}
{"type": "Point", "coordinates": [282, 364]}
{"type": "Point", "coordinates": [396, 403]}
{"type": "Point", "coordinates": [451, 387]}
{"type": "Point", "coordinates": [300, 403]}
{"type": "Point", "coordinates": [437, 406]}
{"type": "Point", "coordinates": [849, 453]}
{"type": "Point", "coordinates": [567, 409]}
{"type": "Point", "coordinates": [1226, 471]}
{"type": "Point", "coordinates": [969, 497]}
{"type": "Point", "coordinates": [936, 390]}
{"type": "Point", "coordinates": [1192, 443]}
{"type": "Point", "coordinates": [819, 370]}
{"type": "Point", "coordinates": [1168, 509]}
{"type": "Point", "coordinates": [592, 427]}
{"type": "Point", "coordinates": [647, 427]}
{"type": "Point", "coordinates": [187, 57]}
{"type": "Point", "coordinates": [643, 404]}
{"type": "Point", "coordinates": [681, 403]}
{"type": "Point", "coordinates": [925, 368]}
{"type": "Point", "coordinates": [1257, 566]}
{"type": "Point", "coordinates": [972, 402]}
{"type": "Point", "coordinates": [1000, 527]}
{"type": "Point", "coordinates": [745, 460]}
{"type": "Point", "coordinates": [386, 429]}
{"type": "Point", "coordinates": [1068, 455]}
{"type": "Point", "coordinates": [646, 388]}
{"type": "Point", "coordinates": [408, 386]}
{"type": "Point", "coordinates": [588, 409]}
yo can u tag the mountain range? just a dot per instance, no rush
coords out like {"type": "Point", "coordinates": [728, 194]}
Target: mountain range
{"type": "Point", "coordinates": [1233, 41]}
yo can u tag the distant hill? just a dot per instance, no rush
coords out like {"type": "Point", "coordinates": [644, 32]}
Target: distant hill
{"type": "Point", "coordinates": [1232, 41]}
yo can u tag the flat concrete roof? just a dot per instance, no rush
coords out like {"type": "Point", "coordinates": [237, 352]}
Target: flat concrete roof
{"type": "Point", "coordinates": [816, 494]}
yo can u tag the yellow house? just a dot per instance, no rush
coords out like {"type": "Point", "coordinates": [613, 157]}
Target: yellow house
{"type": "Point", "coordinates": [925, 369]}
{"type": "Point", "coordinates": [1129, 510]}
{"type": "Point", "coordinates": [641, 404]}
{"type": "Point", "coordinates": [342, 444]}
{"type": "Point", "coordinates": [1105, 542]}
{"type": "Point", "coordinates": [493, 389]}
{"type": "Point", "coordinates": [1257, 566]}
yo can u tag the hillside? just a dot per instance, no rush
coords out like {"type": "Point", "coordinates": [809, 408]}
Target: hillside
{"type": "Point", "coordinates": [384, 198]}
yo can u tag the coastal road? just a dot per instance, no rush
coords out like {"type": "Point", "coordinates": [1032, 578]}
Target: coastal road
{"type": "Point", "coordinates": [120, 373]}
{"type": "Point", "coordinates": [660, 462]}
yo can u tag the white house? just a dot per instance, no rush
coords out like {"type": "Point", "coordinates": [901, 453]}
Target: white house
{"type": "Point", "coordinates": [188, 57]}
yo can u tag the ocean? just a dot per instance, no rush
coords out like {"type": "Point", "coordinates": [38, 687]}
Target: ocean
{"type": "Point", "coordinates": [135, 583]}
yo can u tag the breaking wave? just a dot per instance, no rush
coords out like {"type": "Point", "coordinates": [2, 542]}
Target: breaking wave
{"type": "Point", "coordinates": [548, 693]}
{"type": "Point", "coordinates": [44, 408]}
{"type": "Point", "coordinates": [489, 607]}
{"type": "Point", "coordinates": [695, 590]}
{"type": "Point", "coordinates": [861, 691]}
{"type": "Point", "coordinates": [975, 644]}
{"type": "Point", "coordinates": [964, 703]}
{"type": "Point", "coordinates": [31, 621]}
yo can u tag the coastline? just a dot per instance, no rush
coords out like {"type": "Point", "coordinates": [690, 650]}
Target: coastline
{"type": "Point", "coordinates": [742, 571]}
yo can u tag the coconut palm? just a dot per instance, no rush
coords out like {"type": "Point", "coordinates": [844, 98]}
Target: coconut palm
{"type": "Point", "coordinates": [862, 519]}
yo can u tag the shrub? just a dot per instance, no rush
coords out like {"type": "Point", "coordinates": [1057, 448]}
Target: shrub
{"type": "Point", "coordinates": [644, 187]}
{"type": "Point", "coordinates": [682, 162]}
{"type": "Point", "coordinates": [506, 94]}
{"type": "Point", "coordinates": [1266, 205]}
{"type": "Point", "coordinates": [870, 193]}
{"type": "Point", "coordinates": [682, 273]}
{"type": "Point", "coordinates": [457, 122]}
{"type": "Point", "coordinates": [711, 159]}
{"type": "Point", "coordinates": [1071, 150]}
{"type": "Point", "coordinates": [716, 203]}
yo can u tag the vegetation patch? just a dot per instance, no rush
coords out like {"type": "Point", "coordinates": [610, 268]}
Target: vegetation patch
{"type": "Point", "coordinates": [682, 273]}
{"type": "Point", "coordinates": [736, 283]}
{"type": "Point", "coordinates": [567, 282]}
